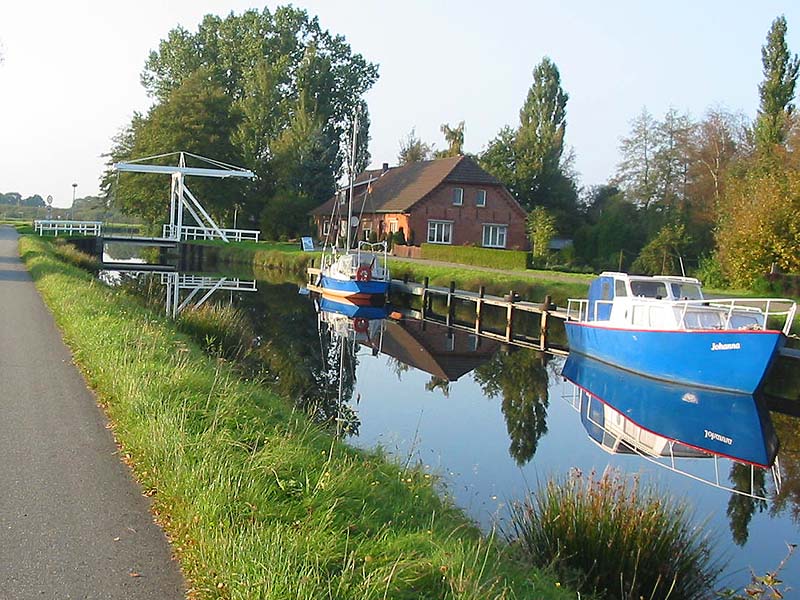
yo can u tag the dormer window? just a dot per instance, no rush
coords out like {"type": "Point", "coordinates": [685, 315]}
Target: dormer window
{"type": "Point", "coordinates": [480, 199]}
{"type": "Point", "coordinates": [458, 196]}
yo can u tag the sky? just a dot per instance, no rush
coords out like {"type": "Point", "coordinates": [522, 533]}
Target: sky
{"type": "Point", "coordinates": [69, 80]}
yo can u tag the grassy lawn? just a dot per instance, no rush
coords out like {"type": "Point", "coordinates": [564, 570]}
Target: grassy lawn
{"type": "Point", "coordinates": [257, 501]}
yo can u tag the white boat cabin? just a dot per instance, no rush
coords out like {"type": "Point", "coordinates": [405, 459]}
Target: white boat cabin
{"type": "Point", "coordinates": [662, 303]}
{"type": "Point", "coordinates": [367, 262]}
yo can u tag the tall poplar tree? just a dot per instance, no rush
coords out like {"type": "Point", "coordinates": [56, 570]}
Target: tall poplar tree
{"type": "Point", "coordinates": [777, 89]}
{"type": "Point", "coordinates": [529, 160]}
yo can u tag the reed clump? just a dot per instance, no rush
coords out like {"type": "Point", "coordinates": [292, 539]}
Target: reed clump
{"type": "Point", "coordinates": [609, 535]}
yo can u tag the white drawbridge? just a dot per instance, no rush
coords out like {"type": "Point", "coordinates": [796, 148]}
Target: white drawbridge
{"type": "Point", "coordinates": [182, 201]}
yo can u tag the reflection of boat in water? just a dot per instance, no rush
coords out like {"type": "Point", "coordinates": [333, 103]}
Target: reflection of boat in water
{"type": "Point", "coordinates": [360, 323]}
{"type": "Point", "coordinates": [663, 327]}
{"type": "Point", "coordinates": [629, 414]}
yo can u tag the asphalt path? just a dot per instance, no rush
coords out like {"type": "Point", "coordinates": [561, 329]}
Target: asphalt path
{"type": "Point", "coordinates": [73, 522]}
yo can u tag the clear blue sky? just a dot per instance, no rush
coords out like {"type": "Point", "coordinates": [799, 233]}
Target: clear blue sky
{"type": "Point", "coordinates": [70, 78]}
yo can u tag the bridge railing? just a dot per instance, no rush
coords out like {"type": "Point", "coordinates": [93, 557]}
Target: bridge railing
{"type": "Point", "coordinates": [206, 233]}
{"type": "Point", "coordinates": [56, 226]}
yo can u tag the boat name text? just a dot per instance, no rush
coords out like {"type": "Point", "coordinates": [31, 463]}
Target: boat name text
{"type": "Point", "coordinates": [721, 346]}
{"type": "Point", "coordinates": [712, 435]}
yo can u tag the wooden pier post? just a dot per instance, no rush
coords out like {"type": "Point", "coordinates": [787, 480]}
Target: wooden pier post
{"type": "Point", "coordinates": [450, 307]}
{"type": "Point", "coordinates": [424, 310]}
{"type": "Point", "coordinates": [543, 323]}
{"type": "Point", "coordinates": [479, 308]}
{"type": "Point", "coordinates": [510, 317]}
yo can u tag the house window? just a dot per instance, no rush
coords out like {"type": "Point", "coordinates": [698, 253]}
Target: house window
{"type": "Point", "coordinates": [366, 227]}
{"type": "Point", "coordinates": [480, 199]}
{"type": "Point", "coordinates": [393, 225]}
{"type": "Point", "coordinates": [326, 227]}
{"type": "Point", "coordinates": [440, 232]}
{"type": "Point", "coordinates": [494, 236]}
{"type": "Point", "coordinates": [458, 196]}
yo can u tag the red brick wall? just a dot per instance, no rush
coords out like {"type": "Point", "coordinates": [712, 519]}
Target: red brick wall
{"type": "Point", "coordinates": [468, 219]}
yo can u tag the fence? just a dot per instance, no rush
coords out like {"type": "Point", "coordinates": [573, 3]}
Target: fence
{"type": "Point", "coordinates": [56, 226]}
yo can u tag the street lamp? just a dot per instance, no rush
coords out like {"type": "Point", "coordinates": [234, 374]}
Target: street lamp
{"type": "Point", "coordinates": [72, 210]}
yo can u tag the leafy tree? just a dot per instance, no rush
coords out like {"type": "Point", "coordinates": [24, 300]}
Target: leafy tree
{"type": "Point", "coordinates": [777, 89]}
{"type": "Point", "coordinates": [413, 149]}
{"type": "Point", "coordinates": [660, 255]}
{"type": "Point", "coordinates": [742, 508]}
{"type": "Point", "coordinates": [529, 160]}
{"type": "Point", "coordinates": [541, 228]}
{"type": "Point", "coordinates": [454, 136]}
{"type": "Point", "coordinates": [196, 118]}
{"type": "Point", "coordinates": [636, 171]}
{"type": "Point", "coordinates": [285, 215]}
{"type": "Point", "coordinates": [284, 77]}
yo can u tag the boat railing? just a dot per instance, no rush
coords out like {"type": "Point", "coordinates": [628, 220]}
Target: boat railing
{"type": "Point", "coordinates": [374, 249]}
{"type": "Point", "coordinates": [578, 309]}
{"type": "Point", "coordinates": [760, 311]}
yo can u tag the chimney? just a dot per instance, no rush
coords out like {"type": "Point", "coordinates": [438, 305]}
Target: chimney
{"type": "Point", "coordinates": [384, 168]}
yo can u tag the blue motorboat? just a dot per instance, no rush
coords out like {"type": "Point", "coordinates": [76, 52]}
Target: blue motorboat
{"type": "Point", "coordinates": [664, 327]}
{"type": "Point", "coordinates": [625, 412]}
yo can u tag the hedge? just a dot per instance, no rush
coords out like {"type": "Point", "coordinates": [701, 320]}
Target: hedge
{"type": "Point", "coordinates": [482, 257]}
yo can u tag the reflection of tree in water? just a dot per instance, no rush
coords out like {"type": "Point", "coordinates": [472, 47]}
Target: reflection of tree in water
{"type": "Point", "coordinates": [788, 430]}
{"type": "Point", "coordinates": [521, 378]}
{"type": "Point", "coordinates": [742, 508]}
{"type": "Point", "coordinates": [437, 383]}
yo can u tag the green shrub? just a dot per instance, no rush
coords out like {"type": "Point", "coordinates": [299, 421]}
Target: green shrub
{"type": "Point", "coordinates": [471, 255]}
{"type": "Point", "coordinates": [610, 534]}
{"type": "Point", "coordinates": [709, 272]}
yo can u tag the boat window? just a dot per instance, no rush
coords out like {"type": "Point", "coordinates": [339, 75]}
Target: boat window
{"type": "Point", "coordinates": [605, 290]}
{"type": "Point", "coordinates": [619, 288]}
{"type": "Point", "coordinates": [702, 319]}
{"type": "Point", "coordinates": [648, 288]}
{"type": "Point", "coordinates": [686, 291]}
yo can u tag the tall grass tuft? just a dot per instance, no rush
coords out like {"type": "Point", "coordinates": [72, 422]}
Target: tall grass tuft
{"type": "Point", "coordinates": [609, 534]}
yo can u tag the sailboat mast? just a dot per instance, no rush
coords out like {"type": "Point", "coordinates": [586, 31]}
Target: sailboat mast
{"type": "Point", "coordinates": [352, 180]}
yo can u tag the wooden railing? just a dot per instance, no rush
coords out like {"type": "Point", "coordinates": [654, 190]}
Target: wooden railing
{"type": "Point", "coordinates": [56, 226]}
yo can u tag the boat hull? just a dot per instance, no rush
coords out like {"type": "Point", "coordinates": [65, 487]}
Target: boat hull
{"type": "Point", "coordinates": [730, 360]}
{"type": "Point", "coordinates": [728, 424]}
{"type": "Point", "coordinates": [372, 290]}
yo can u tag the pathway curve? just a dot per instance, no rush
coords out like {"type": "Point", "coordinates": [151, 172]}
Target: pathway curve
{"type": "Point", "coordinates": [73, 522]}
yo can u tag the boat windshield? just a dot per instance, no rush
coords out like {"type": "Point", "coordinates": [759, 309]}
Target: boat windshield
{"type": "Point", "coordinates": [685, 291]}
{"type": "Point", "coordinates": [648, 288]}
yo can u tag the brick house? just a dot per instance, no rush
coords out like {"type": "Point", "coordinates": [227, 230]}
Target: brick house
{"type": "Point", "coordinates": [443, 201]}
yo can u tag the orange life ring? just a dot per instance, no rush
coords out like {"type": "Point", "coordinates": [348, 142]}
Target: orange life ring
{"type": "Point", "coordinates": [360, 324]}
{"type": "Point", "coordinates": [363, 273]}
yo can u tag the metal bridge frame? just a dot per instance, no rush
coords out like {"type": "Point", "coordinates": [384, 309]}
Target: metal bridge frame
{"type": "Point", "coordinates": [182, 200]}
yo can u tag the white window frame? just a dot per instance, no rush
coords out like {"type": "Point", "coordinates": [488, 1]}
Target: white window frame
{"type": "Point", "coordinates": [326, 227]}
{"type": "Point", "coordinates": [498, 227]}
{"type": "Point", "coordinates": [480, 199]}
{"type": "Point", "coordinates": [458, 196]}
{"type": "Point", "coordinates": [393, 225]}
{"type": "Point", "coordinates": [439, 228]}
{"type": "Point", "coordinates": [366, 227]}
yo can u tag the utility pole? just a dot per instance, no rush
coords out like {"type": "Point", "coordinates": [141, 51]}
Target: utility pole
{"type": "Point", "coordinates": [72, 209]}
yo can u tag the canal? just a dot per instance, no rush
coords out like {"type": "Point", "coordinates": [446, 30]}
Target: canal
{"type": "Point", "coordinates": [491, 421]}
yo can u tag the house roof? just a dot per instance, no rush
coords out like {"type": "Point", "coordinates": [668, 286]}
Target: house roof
{"type": "Point", "coordinates": [399, 188]}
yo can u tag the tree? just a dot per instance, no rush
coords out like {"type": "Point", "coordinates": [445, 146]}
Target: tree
{"type": "Point", "coordinates": [661, 254]}
{"type": "Point", "coordinates": [635, 172]}
{"type": "Point", "coordinates": [454, 136]}
{"type": "Point", "coordinates": [777, 89]}
{"type": "Point", "coordinates": [541, 228]}
{"type": "Point", "coordinates": [196, 118]}
{"type": "Point", "coordinates": [413, 149]}
{"type": "Point", "coordinates": [529, 160]}
{"type": "Point", "coordinates": [284, 77]}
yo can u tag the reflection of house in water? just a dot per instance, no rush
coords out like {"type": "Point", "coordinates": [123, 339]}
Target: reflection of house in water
{"type": "Point", "coordinates": [436, 349]}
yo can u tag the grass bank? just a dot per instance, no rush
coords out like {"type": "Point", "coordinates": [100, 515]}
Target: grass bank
{"type": "Point", "coordinates": [257, 501]}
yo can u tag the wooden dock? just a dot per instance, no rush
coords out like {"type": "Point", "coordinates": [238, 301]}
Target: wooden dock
{"type": "Point", "coordinates": [510, 304]}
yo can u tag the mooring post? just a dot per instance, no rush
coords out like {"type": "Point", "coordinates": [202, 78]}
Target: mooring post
{"type": "Point", "coordinates": [450, 307]}
{"type": "Point", "coordinates": [543, 323]}
{"type": "Point", "coordinates": [510, 317]}
{"type": "Point", "coordinates": [424, 298]}
{"type": "Point", "coordinates": [479, 308]}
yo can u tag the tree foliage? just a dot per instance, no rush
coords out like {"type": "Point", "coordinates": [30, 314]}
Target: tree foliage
{"type": "Point", "coordinates": [778, 88]}
{"type": "Point", "coordinates": [541, 228]}
{"type": "Point", "coordinates": [291, 89]}
{"type": "Point", "coordinates": [529, 160]}
{"type": "Point", "coordinates": [454, 136]}
{"type": "Point", "coordinates": [661, 255]}
{"type": "Point", "coordinates": [413, 149]}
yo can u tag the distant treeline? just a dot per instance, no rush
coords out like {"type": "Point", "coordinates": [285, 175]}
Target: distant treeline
{"type": "Point", "coordinates": [15, 199]}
